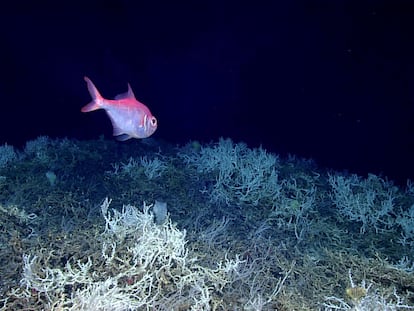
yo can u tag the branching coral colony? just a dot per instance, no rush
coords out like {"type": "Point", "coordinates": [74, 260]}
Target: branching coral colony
{"type": "Point", "coordinates": [243, 175]}
{"type": "Point", "coordinates": [261, 232]}
{"type": "Point", "coordinates": [363, 298]}
{"type": "Point", "coordinates": [155, 272]}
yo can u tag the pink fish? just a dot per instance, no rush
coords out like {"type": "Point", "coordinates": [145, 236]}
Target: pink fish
{"type": "Point", "coordinates": [129, 117]}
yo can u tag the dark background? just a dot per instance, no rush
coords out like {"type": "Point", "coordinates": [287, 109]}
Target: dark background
{"type": "Point", "coordinates": [330, 80]}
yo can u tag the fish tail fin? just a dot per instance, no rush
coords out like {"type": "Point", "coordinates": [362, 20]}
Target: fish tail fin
{"type": "Point", "coordinates": [97, 98]}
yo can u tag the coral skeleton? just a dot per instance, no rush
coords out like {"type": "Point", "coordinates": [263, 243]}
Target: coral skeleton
{"type": "Point", "coordinates": [155, 271]}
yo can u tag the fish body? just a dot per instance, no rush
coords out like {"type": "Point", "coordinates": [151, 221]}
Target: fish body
{"type": "Point", "coordinates": [130, 118]}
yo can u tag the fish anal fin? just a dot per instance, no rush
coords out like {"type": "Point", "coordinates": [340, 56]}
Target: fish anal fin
{"type": "Point", "coordinates": [122, 137]}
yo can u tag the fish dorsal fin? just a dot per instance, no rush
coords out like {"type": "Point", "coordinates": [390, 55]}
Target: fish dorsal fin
{"type": "Point", "coordinates": [128, 94]}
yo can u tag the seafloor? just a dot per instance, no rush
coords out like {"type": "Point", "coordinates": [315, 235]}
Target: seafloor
{"type": "Point", "coordinates": [245, 230]}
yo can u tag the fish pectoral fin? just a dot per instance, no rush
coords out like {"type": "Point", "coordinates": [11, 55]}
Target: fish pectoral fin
{"type": "Point", "coordinates": [116, 131]}
{"type": "Point", "coordinates": [123, 137]}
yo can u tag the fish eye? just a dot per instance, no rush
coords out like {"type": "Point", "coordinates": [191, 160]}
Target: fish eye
{"type": "Point", "coordinates": [153, 121]}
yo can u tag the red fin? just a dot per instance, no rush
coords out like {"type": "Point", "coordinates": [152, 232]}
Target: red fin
{"type": "Point", "coordinates": [97, 99]}
{"type": "Point", "coordinates": [90, 107]}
